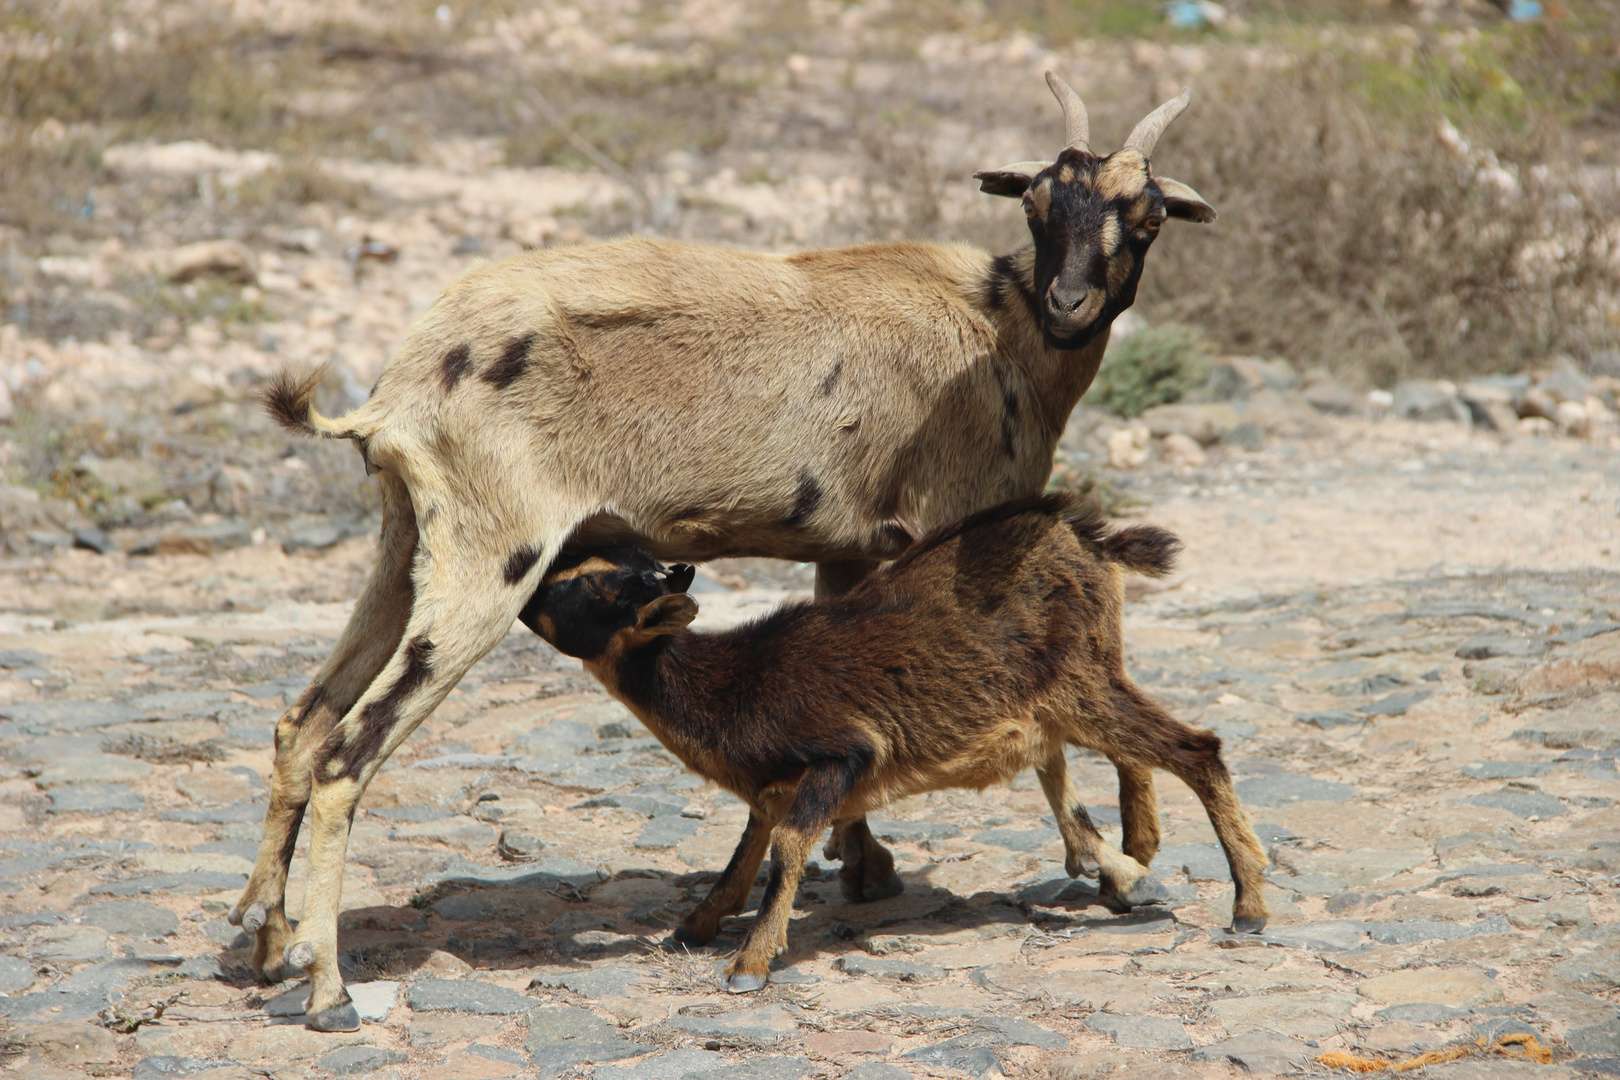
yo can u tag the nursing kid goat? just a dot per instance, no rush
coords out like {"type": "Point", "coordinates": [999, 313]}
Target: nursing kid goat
{"type": "Point", "coordinates": [827, 407]}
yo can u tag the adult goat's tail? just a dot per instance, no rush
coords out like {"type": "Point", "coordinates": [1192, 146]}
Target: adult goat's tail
{"type": "Point", "coordinates": [287, 398]}
{"type": "Point", "coordinates": [1146, 549]}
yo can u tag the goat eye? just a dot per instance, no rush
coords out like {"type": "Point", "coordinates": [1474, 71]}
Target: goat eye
{"type": "Point", "coordinates": [1152, 224]}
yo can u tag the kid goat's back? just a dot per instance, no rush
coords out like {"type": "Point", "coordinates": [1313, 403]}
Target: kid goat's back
{"type": "Point", "coordinates": [987, 648]}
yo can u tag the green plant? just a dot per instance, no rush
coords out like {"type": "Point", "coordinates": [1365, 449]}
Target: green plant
{"type": "Point", "coordinates": [1156, 365]}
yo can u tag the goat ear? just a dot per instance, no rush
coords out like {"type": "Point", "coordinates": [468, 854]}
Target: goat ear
{"type": "Point", "coordinates": [667, 614]}
{"type": "Point", "coordinates": [1010, 180]}
{"type": "Point", "coordinates": [1183, 202]}
{"type": "Point", "coordinates": [680, 577]}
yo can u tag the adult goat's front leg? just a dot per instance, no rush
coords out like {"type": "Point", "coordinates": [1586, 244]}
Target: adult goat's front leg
{"type": "Point", "coordinates": [868, 870]}
{"type": "Point", "coordinates": [367, 642]}
{"type": "Point", "coordinates": [464, 606]}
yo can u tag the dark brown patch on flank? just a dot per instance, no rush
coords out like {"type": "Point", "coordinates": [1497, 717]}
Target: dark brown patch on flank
{"type": "Point", "coordinates": [508, 367]}
{"type": "Point", "coordinates": [520, 563]}
{"type": "Point", "coordinates": [376, 719]}
{"type": "Point", "coordinates": [806, 500]}
{"type": "Point", "coordinates": [831, 380]}
{"type": "Point", "coordinates": [456, 364]}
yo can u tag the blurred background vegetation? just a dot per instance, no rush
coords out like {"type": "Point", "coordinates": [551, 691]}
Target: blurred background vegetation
{"type": "Point", "coordinates": [1406, 187]}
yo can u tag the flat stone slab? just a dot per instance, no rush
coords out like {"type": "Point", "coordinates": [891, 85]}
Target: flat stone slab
{"type": "Point", "coordinates": [43, 717]}
{"type": "Point", "coordinates": [1334, 935]}
{"type": "Point", "coordinates": [95, 799]}
{"type": "Point", "coordinates": [663, 833]}
{"type": "Point", "coordinates": [1395, 704]}
{"type": "Point", "coordinates": [1525, 804]}
{"type": "Point", "coordinates": [1457, 987]}
{"type": "Point", "coordinates": [1312, 1015]}
{"type": "Point", "coordinates": [15, 974]}
{"type": "Point", "coordinates": [193, 881]}
{"type": "Point", "coordinates": [562, 1036]}
{"type": "Point", "coordinates": [1506, 770]}
{"type": "Point", "coordinates": [135, 918]}
{"type": "Point", "coordinates": [1142, 1032]}
{"type": "Point", "coordinates": [1258, 1052]}
{"type": "Point", "coordinates": [764, 1024]}
{"type": "Point", "coordinates": [1200, 862]}
{"type": "Point", "coordinates": [613, 980]}
{"type": "Point", "coordinates": [1286, 788]}
{"type": "Point", "coordinates": [93, 769]}
{"type": "Point", "coordinates": [353, 1060]}
{"type": "Point", "coordinates": [469, 996]}
{"type": "Point", "coordinates": [1018, 839]}
{"type": "Point", "coordinates": [1413, 930]}
{"type": "Point", "coordinates": [372, 1000]}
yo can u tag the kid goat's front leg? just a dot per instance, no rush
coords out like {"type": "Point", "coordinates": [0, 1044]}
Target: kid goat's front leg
{"type": "Point", "coordinates": [822, 790]}
{"type": "Point", "coordinates": [730, 892]}
{"type": "Point", "coordinates": [1123, 882]}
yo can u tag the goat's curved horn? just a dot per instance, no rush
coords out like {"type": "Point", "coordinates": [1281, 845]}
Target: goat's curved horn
{"type": "Point", "coordinates": [1076, 124]}
{"type": "Point", "coordinates": [1145, 136]}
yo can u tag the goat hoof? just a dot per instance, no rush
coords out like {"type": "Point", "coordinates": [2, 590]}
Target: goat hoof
{"type": "Point", "coordinates": [1251, 924]}
{"type": "Point", "coordinates": [687, 938]}
{"type": "Point", "coordinates": [253, 919]}
{"type": "Point", "coordinates": [1147, 889]}
{"type": "Point", "coordinates": [301, 955]}
{"type": "Point", "coordinates": [745, 983]}
{"type": "Point", "coordinates": [858, 890]}
{"type": "Point", "coordinates": [234, 916]}
{"type": "Point", "coordinates": [342, 1017]}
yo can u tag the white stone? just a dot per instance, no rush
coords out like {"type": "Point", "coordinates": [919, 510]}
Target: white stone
{"type": "Point", "coordinates": [372, 1000]}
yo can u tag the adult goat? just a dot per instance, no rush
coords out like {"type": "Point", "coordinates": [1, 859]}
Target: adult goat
{"type": "Point", "coordinates": [828, 406]}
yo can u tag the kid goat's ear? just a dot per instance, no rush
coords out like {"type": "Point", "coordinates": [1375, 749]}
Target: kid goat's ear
{"type": "Point", "coordinates": [667, 614]}
{"type": "Point", "coordinates": [680, 577]}
{"type": "Point", "coordinates": [1181, 201]}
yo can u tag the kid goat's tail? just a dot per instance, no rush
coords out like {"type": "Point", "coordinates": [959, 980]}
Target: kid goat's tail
{"type": "Point", "coordinates": [1146, 549]}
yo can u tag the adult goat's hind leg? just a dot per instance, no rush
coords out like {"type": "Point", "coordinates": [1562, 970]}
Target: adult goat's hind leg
{"type": "Point", "coordinates": [466, 600]}
{"type": "Point", "coordinates": [868, 870]}
{"type": "Point", "coordinates": [367, 642]}
{"type": "Point", "coordinates": [1122, 882]}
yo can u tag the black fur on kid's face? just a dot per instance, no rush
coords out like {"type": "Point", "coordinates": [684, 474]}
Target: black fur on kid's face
{"type": "Point", "coordinates": [588, 597]}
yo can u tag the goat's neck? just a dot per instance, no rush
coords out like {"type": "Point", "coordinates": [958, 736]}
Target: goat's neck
{"type": "Point", "coordinates": [1058, 377]}
{"type": "Point", "coordinates": [675, 704]}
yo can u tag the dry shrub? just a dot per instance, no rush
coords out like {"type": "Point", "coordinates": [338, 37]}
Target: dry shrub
{"type": "Point", "coordinates": [1353, 237]}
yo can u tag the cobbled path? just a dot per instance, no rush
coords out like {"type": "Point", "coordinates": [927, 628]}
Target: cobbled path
{"type": "Point", "coordinates": [1430, 757]}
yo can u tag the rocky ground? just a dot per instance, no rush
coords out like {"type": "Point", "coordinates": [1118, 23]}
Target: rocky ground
{"type": "Point", "coordinates": [1397, 608]}
{"type": "Point", "coordinates": [1405, 632]}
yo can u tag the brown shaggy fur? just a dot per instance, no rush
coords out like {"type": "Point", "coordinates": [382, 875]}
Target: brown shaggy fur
{"type": "Point", "coordinates": [826, 406]}
{"type": "Point", "coordinates": [990, 646]}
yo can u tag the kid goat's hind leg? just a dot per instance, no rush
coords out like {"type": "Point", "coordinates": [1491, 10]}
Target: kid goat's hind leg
{"type": "Point", "coordinates": [465, 602]}
{"type": "Point", "coordinates": [1123, 882]}
{"type": "Point", "coordinates": [370, 638]}
{"type": "Point", "coordinates": [1194, 755]}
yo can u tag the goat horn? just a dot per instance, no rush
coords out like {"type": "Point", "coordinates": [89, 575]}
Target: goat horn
{"type": "Point", "coordinates": [1145, 136]}
{"type": "Point", "coordinates": [1077, 126]}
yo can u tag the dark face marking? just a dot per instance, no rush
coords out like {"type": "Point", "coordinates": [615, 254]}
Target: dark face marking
{"type": "Point", "coordinates": [376, 719]}
{"type": "Point", "coordinates": [805, 501]}
{"type": "Point", "coordinates": [1092, 227]}
{"type": "Point", "coordinates": [520, 563]}
{"type": "Point", "coordinates": [456, 363]}
{"type": "Point", "coordinates": [509, 366]}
